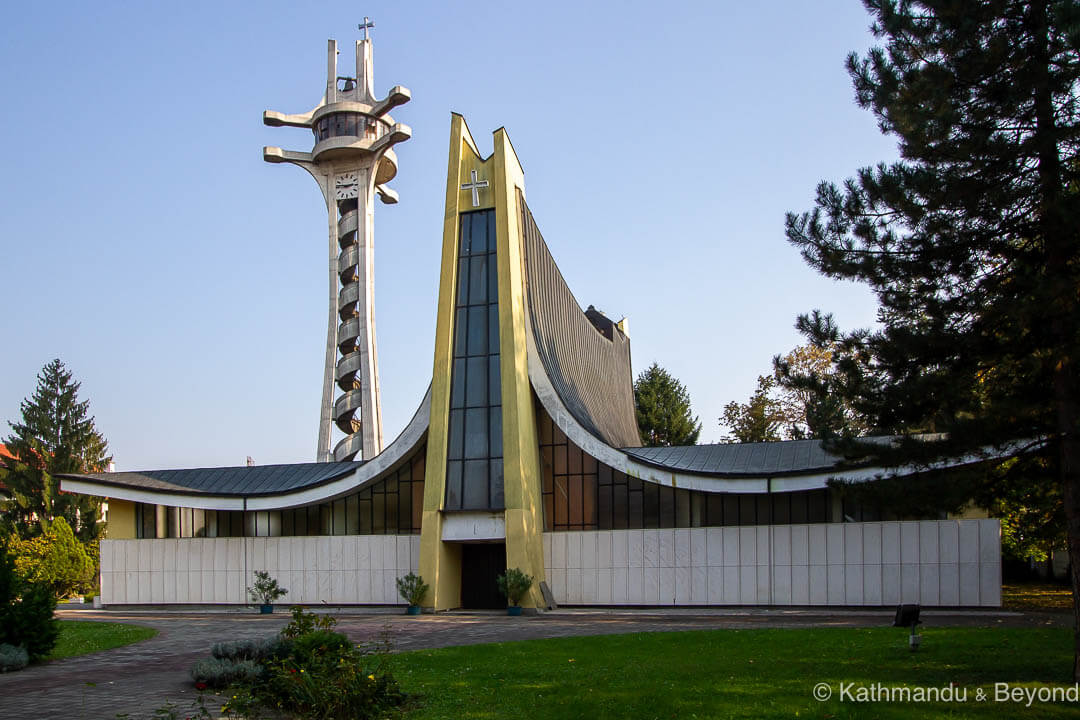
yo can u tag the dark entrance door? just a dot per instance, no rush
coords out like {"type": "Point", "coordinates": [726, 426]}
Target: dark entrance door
{"type": "Point", "coordinates": [481, 563]}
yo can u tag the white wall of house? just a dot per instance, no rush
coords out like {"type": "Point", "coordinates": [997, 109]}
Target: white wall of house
{"type": "Point", "coordinates": [935, 563]}
{"type": "Point", "coordinates": [346, 569]}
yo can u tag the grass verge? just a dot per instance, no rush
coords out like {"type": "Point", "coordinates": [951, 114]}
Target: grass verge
{"type": "Point", "coordinates": [81, 637]}
{"type": "Point", "coordinates": [738, 674]}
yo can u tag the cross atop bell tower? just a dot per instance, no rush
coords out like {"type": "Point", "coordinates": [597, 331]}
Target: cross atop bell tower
{"type": "Point", "coordinates": [352, 161]}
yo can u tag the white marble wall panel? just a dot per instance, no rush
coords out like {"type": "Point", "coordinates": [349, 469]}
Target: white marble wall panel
{"type": "Point", "coordinates": [356, 569]}
{"type": "Point", "coordinates": [946, 563]}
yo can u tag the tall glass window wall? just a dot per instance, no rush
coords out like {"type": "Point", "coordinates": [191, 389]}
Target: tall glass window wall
{"type": "Point", "coordinates": [474, 465]}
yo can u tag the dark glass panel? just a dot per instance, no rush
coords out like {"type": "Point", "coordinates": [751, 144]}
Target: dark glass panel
{"type": "Point", "coordinates": [466, 233]}
{"type": "Point", "coordinates": [460, 332]}
{"type": "Point", "coordinates": [404, 522]}
{"type": "Point", "coordinates": [816, 513]}
{"type": "Point", "coordinates": [478, 277]}
{"type": "Point", "coordinates": [588, 463]}
{"type": "Point", "coordinates": [299, 522]}
{"type": "Point", "coordinates": [682, 508]}
{"type": "Point", "coordinates": [326, 519]}
{"type": "Point", "coordinates": [588, 501]}
{"type": "Point", "coordinates": [418, 466]}
{"type": "Point", "coordinates": [573, 459]}
{"type": "Point", "coordinates": [604, 507]}
{"type": "Point", "coordinates": [392, 512]}
{"type": "Point", "coordinates": [453, 485]}
{"type": "Point", "coordinates": [651, 503]}
{"type": "Point", "coordinates": [697, 509]}
{"type": "Point", "coordinates": [781, 509]}
{"type": "Point", "coordinates": [764, 505]}
{"type": "Point", "coordinates": [491, 229]}
{"type": "Point", "coordinates": [545, 427]}
{"type": "Point", "coordinates": [378, 513]}
{"type": "Point", "coordinates": [493, 278]}
{"type": "Point", "coordinates": [477, 340]}
{"type": "Point", "coordinates": [339, 517]}
{"type": "Point", "coordinates": [493, 329]}
{"type": "Point", "coordinates": [495, 431]}
{"type": "Point", "coordinates": [494, 380]}
{"type": "Point", "coordinates": [549, 513]}
{"type": "Point", "coordinates": [636, 519]}
{"type": "Point", "coordinates": [620, 505]}
{"type": "Point", "coordinates": [390, 484]}
{"type": "Point", "coordinates": [747, 510]}
{"type": "Point", "coordinates": [457, 384]}
{"type": "Point", "coordinates": [352, 515]}
{"type": "Point", "coordinates": [667, 507]}
{"type": "Point", "coordinates": [456, 435]}
{"type": "Point", "coordinates": [211, 523]}
{"type": "Point", "coordinates": [463, 282]}
{"type": "Point", "coordinates": [417, 505]}
{"type": "Point", "coordinates": [479, 234]}
{"type": "Point", "coordinates": [365, 513]}
{"type": "Point", "coordinates": [561, 509]}
{"type": "Point", "coordinates": [573, 490]}
{"type": "Point", "coordinates": [604, 475]}
{"type": "Point", "coordinates": [476, 433]}
{"type": "Point", "coordinates": [560, 459]}
{"type": "Point", "coordinates": [557, 435]}
{"type": "Point", "coordinates": [496, 485]}
{"type": "Point", "coordinates": [731, 510]}
{"type": "Point", "coordinates": [476, 385]}
{"type": "Point", "coordinates": [547, 469]}
{"type": "Point", "coordinates": [714, 511]}
{"type": "Point", "coordinates": [476, 482]}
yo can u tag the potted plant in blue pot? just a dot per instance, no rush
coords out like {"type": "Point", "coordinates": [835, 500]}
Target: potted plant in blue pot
{"type": "Point", "coordinates": [513, 584]}
{"type": "Point", "coordinates": [265, 591]}
{"type": "Point", "coordinates": [412, 589]}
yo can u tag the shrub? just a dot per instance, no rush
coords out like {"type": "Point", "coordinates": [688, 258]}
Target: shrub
{"type": "Point", "coordinates": [266, 589]}
{"type": "Point", "coordinates": [513, 584]}
{"type": "Point", "coordinates": [312, 646]}
{"type": "Point", "coordinates": [56, 559]}
{"type": "Point", "coordinates": [257, 649]}
{"type": "Point", "coordinates": [12, 658]}
{"type": "Point", "coordinates": [412, 588]}
{"type": "Point", "coordinates": [304, 622]}
{"type": "Point", "coordinates": [26, 611]}
{"type": "Point", "coordinates": [220, 672]}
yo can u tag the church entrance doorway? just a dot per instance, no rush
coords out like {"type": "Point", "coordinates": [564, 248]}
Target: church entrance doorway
{"type": "Point", "coordinates": [481, 563]}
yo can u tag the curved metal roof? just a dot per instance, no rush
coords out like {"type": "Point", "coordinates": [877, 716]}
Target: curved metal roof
{"type": "Point", "coordinates": [590, 371]}
{"type": "Point", "coordinates": [741, 459]}
{"type": "Point", "coordinates": [228, 481]}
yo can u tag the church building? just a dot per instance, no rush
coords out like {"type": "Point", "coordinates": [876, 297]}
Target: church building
{"type": "Point", "coordinates": [524, 452]}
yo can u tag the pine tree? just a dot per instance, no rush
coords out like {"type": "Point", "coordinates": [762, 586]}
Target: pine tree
{"type": "Point", "coordinates": [55, 436]}
{"type": "Point", "coordinates": [663, 410]}
{"type": "Point", "coordinates": [971, 241]}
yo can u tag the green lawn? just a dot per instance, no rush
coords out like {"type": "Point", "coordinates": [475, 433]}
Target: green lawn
{"type": "Point", "coordinates": [79, 637]}
{"type": "Point", "coordinates": [734, 674]}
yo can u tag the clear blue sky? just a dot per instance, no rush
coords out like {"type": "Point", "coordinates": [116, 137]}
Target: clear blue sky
{"type": "Point", "coordinates": [182, 279]}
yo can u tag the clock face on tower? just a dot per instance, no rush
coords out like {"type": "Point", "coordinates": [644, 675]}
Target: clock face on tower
{"type": "Point", "coordinates": [346, 186]}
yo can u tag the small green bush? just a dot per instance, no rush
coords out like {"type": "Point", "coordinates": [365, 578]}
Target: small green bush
{"type": "Point", "coordinates": [56, 559]}
{"type": "Point", "coordinates": [513, 584]}
{"type": "Point", "coordinates": [257, 649]}
{"type": "Point", "coordinates": [266, 589]}
{"type": "Point", "coordinates": [412, 588]}
{"type": "Point", "coordinates": [220, 673]}
{"type": "Point", "coordinates": [13, 657]}
{"type": "Point", "coordinates": [312, 646]}
{"type": "Point", "coordinates": [26, 610]}
{"type": "Point", "coordinates": [304, 622]}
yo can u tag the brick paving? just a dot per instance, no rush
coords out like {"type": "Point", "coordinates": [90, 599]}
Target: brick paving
{"type": "Point", "coordinates": [140, 678]}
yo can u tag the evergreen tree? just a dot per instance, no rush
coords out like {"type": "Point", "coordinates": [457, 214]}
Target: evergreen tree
{"type": "Point", "coordinates": [56, 436]}
{"type": "Point", "coordinates": [663, 410]}
{"type": "Point", "coordinates": [971, 241]}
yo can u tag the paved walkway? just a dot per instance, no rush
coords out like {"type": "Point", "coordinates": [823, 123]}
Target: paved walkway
{"type": "Point", "coordinates": [140, 678]}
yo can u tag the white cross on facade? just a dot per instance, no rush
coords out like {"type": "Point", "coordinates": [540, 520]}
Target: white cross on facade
{"type": "Point", "coordinates": [367, 24]}
{"type": "Point", "coordinates": [475, 185]}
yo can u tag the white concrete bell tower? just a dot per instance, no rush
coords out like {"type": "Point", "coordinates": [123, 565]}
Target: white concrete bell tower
{"type": "Point", "coordinates": [352, 161]}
